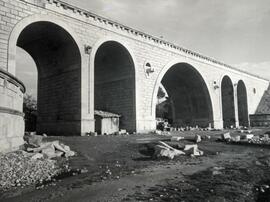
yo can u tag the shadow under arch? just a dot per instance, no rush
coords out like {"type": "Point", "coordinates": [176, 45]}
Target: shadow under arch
{"type": "Point", "coordinates": [188, 91]}
{"type": "Point", "coordinates": [243, 114]}
{"type": "Point", "coordinates": [227, 97]}
{"type": "Point", "coordinates": [58, 59]}
{"type": "Point", "coordinates": [115, 82]}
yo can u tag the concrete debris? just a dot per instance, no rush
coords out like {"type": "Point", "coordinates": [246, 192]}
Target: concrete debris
{"type": "Point", "coordinates": [53, 149]}
{"type": "Point", "coordinates": [248, 136]}
{"type": "Point", "coordinates": [198, 138]}
{"type": "Point", "coordinates": [162, 151]}
{"type": "Point", "coordinates": [226, 136]}
{"type": "Point", "coordinates": [91, 134]}
{"type": "Point", "coordinates": [236, 138]}
{"type": "Point", "coordinates": [193, 150]}
{"type": "Point", "coordinates": [165, 150]}
{"type": "Point", "coordinates": [246, 131]}
{"type": "Point", "coordinates": [32, 139]}
{"type": "Point", "coordinates": [177, 138]}
{"type": "Point", "coordinates": [37, 156]}
{"type": "Point", "coordinates": [159, 132]}
{"type": "Point", "coordinates": [122, 131]}
{"type": "Point", "coordinates": [190, 146]}
{"type": "Point", "coordinates": [260, 140]}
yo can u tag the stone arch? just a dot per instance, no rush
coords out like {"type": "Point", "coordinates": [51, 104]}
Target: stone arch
{"type": "Point", "coordinates": [57, 55]}
{"type": "Point", "coordinates": [227, 99]}
{"type": "Point", "coordinates": [12, 41]}
{"type": "Point", "coordinates": [242, 104]}
{"type": "Point", "coordinates": [113, 70]}
{"type": "Point", "coordinates": [190, 108]}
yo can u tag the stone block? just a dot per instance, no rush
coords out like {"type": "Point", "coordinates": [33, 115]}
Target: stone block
{"type": "Point", "coordinates": [5, 145]}
{"type": "Point", "coordinates": [16, 142]}
{"type": "Point", "coordinates": [226, 136]}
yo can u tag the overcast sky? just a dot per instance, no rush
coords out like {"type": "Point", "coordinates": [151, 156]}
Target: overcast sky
{"type": "Point", "coordinates": [235, 32]}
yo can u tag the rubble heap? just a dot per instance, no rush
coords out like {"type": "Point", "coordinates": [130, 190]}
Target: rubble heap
{"type": "Point", "coordinates": [247, 137]}
{"type": "Point", "coordinates": [170, 149]}
{"type": "Point", "coordinates": [35, 165]}
{"type": "Point", "coordinates": [19, 169]}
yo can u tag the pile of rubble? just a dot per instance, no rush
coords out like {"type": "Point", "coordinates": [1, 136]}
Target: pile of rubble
{"type": "Point", "coordinates": [42, 149]}
{"type": "Point", "coordinates": [165, 150]}
{"type": "Point", "coordinates": [247, 137]}
{"type": "Point", "coordinates": [182, 129]}
{"type": "Point", "coordinates": [34, 164]}
{"type": "Point", "coordinates": [19, 169]}
{"type": "Point", "coordinates": [121, 132]}
{"type": "Point", "coordinates": [171, 148]}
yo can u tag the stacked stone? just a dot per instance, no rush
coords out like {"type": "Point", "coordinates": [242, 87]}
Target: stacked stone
{"type": "Point", "coordinates": [11, 116]}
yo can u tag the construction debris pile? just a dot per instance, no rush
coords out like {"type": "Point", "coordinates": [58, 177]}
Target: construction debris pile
{"type": "Point", "coordinates": [247, 137]}
{"type": "Point", "coordinates": [171, 149]}
{"type": "Point", "coordinates": [19, 169]}
{"type": "Point", "coordinates": [122, 132]}
{"type": "Point", "coordinates": [42, 149]}
{"type": "Point", "coordinates": [34, 165]}
{"type": "Point", "coordinates": [165, 150]}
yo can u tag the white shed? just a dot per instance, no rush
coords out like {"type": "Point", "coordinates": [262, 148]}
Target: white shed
{"type": "Point", "coordinates": [106, 122]}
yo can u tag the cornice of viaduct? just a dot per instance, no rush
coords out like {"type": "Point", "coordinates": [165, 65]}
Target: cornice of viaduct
{"type": "Point", "coordinates": [103, 21]}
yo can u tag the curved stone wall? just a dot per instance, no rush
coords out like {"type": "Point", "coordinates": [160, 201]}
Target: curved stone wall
{"type": "Point", "coordinates": [11, 112]}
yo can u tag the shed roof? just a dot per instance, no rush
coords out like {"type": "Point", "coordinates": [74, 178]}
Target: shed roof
{"type": "Point", "coordinates": [104, 114]}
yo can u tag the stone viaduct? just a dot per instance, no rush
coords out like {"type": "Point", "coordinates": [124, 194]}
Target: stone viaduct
{"type": "Point", "coordinates": [87, 62]}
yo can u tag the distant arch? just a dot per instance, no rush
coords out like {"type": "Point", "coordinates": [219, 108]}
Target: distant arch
{"type": "Point", "coordinates": [227, 96]}
{"type": "Point", "coordinates": [188, 92]}
{"type": "Point", "coordinates": [242, 104]}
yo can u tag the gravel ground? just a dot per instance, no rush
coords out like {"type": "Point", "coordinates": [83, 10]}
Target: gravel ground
{"type": "Point", "coordinates": [18, 169]}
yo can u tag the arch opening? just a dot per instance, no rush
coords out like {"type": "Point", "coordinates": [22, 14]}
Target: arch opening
{"type": "Point", "coordinates": [228, 110]}
{"type": "Point", "coordinates": [58, 61]}
{"type": "Point", "coordinates": [242, 104]}
{"type": "Point", "coordinates": [188, 102]}
{"type": "Point", "coordinates": [27, 72]}
{"type": "Point", "coordinates": [115, 83]}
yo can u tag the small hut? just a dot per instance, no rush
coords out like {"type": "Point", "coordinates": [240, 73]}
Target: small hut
{"type": "Point", "coordinates": [106, 122]}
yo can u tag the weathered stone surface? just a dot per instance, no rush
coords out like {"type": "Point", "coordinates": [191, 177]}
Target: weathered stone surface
{"type": "Point", "coordinates": [226, 136]}
{"type": "Point", "coordinates": [193, 150]}
{"type": "Point", "coordinates": [162, 151]}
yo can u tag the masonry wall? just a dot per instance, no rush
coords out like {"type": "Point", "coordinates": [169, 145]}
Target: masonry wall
{"type": "Point", "coordinates": [11, 116]}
